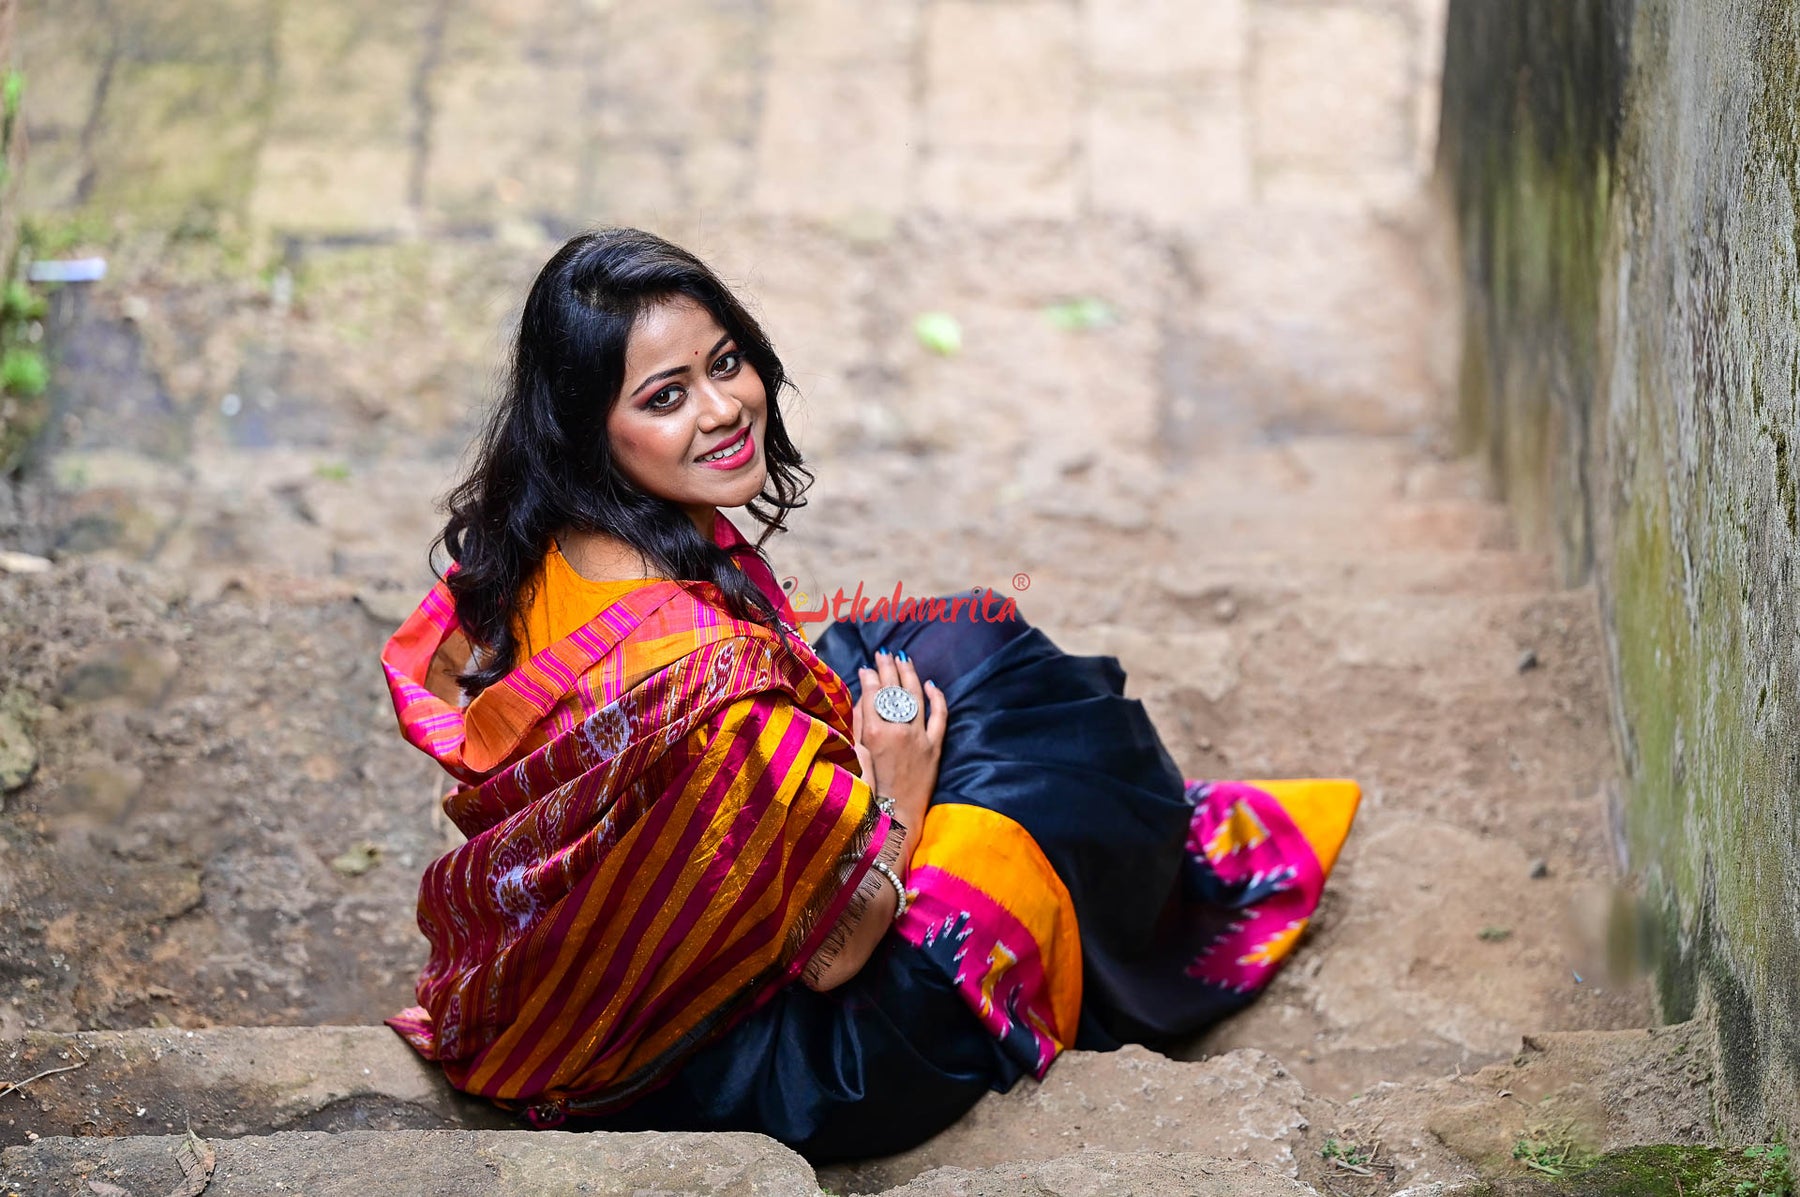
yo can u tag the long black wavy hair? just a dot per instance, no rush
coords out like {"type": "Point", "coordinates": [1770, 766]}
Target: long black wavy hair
{"type": "Point", "coordinates": [543, 462]}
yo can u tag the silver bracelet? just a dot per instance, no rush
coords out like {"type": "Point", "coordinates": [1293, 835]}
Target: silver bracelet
{"type": "Point", "coordinates": [887, 807]}
{"type": "Point", "coordinates": [898, 887]}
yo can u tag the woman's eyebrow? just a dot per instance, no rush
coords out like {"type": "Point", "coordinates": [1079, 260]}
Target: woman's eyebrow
{"type": "Point", "coordinates": [660, 376]}
{"type": "Point", "coordinates": [672, 371]}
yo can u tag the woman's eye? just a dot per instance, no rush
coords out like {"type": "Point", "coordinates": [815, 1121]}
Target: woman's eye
{"type": "Point", "coordinates": [728, 364]}
{"type": "Point", "coordinates": [666, 398]}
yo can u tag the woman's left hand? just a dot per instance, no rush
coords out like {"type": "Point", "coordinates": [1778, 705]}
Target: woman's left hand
{"type": "Point", "coordinates": [905, 755]}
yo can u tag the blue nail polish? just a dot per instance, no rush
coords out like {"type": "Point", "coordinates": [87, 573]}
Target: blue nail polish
{"type": "Point", "coordinates": [903, 655]}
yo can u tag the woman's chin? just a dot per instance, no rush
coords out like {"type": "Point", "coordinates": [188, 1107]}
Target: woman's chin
{"type": "Point", "coordinates": [737, 491]}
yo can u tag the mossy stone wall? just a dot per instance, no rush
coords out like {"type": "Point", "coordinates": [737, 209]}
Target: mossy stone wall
{"type": "Point", "coordinates": [1626, 181]}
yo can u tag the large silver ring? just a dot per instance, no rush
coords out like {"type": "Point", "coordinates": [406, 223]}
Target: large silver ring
{"type": "Point", "coordinates": [896, 705]}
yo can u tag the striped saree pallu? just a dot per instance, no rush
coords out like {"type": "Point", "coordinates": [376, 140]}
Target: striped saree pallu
{"type": "Point", "coordinates": [665, 822]}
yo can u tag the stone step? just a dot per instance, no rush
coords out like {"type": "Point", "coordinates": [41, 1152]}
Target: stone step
{"type": "Point", "coordinates": [229, 1082]}
{"type": "Point", "coordinates": [1257, 535]}
{"type": "Point", "coordinates": [409, 1163]}
{"type": "Point", "coordinates": [1178, 594]}
{"type": "Point", "coordinates": [1485, 712]}
{"type": "Point", "coordinates": [533, 1163]}
{"type": "Point", "coordinates": [1121, 1122]}
{"type": "Point", "coordinates": [1607, 1090]}
{"type": "Point", "coordinates": [232, 1082]}
{"type": "Point", "coordinates": [1242, 1105]}
{"type": "Point", "coordinates": [1398, 573]}
{"type": "Point", "coordinates": [262, 547]}
{"type": "Point", "coordinates": [1105, 1174]}
{"type": "Point", "coordinates": [1445, 645]}
{"type": "Point", "coordinates": [288, 511]}
{"type": "Point", "coordinates": [1595, 1091]}
{"type": "Point", "coordinates": [1321, 524]}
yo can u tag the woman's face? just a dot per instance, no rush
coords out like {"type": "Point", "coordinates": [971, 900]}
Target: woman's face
{"type": "Point", "coordinates": [688, 426]}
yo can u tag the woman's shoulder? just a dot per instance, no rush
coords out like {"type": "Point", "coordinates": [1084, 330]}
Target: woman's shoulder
{"type": "Point", "coordinates": [599, 558]}
{"type": "Point", "coordinates": [559, 601]}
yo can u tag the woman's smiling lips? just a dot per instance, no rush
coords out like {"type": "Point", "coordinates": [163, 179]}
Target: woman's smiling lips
{"type": "Point", "coordinates": [738, 452]}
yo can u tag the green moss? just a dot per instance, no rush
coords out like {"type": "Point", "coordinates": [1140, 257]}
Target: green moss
{"type": "Point", "coordinates": [62, 234]}
{"type": "Point", "coordinates": [1784, 480]}
{"type": "Point", "coordinates": [1553, 1155]}
{"type": "Point", "coordinates": [1706, 816]}
{"type": "Point", "coordinates": [24, 370]}
{"type": "Point", "coordinates": [1534, 209]}
{"type": "Point", "coordinates": [1665, 1170]}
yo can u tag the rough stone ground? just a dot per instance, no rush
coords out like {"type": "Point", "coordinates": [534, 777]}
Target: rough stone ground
{"type": "Point", "coordinates": [1100, 1122]}
{"type": "Point", "coordinates": [1233, 481]}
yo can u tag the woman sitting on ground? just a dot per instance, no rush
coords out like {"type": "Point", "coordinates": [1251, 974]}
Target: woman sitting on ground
{"type": "Point", "coordinates": [719, 879]}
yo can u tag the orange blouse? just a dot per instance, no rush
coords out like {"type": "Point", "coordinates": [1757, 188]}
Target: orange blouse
{"type": "Point", "coordinates": [562, 602]}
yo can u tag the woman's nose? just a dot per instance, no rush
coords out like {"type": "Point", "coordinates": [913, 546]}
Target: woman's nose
{"type": "Point", "coordinates": [718, 407]}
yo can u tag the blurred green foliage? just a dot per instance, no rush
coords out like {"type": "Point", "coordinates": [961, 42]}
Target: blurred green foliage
{"type": "Point", "coordinates": [24, 371]}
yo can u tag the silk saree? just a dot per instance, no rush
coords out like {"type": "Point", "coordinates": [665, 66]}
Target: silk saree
{"type": "Point", "coordinates": [666, 824]}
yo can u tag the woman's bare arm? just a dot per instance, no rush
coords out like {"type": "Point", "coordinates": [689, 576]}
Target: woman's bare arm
{"type": "Point", "coordinates": [864, 934]}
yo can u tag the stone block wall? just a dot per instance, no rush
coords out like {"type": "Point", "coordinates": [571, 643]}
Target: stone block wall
{"type": "Point", "coordinates": [1273, 154]}
{"type": "Point", "coordinates": [1626, 180]}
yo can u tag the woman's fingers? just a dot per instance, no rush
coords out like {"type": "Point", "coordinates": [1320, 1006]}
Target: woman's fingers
{"type": "Point", "coordinates": [939, 713]}
{"type": "Point", "coordinates": [865, 703]}
{"type": "Point", "coordinates": [909, 677]}
{"type": "Point", "coordinates": [856, 716]}
{"type": "Point", "coordinates": [886, 669]}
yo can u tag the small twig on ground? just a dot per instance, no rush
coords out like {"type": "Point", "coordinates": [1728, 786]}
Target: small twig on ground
{"type": "Point", "coordinates": [18, 1087]}
{"type": "Point", "coordinates": [1349, 1167]}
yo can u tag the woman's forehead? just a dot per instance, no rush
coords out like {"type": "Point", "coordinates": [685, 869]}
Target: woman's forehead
{"type": "Point", "coordinates": [670, 328]}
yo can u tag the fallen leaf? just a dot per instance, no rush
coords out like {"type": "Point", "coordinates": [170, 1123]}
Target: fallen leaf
{"type": "Point", "coordinates": [358, 860]}
{"type": "Point", "coordinates": [1079, 315]}
{"type": "Point", "coordinates": [939, 332]}
{"type": "Point", "coordinates": [197, 1160]}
